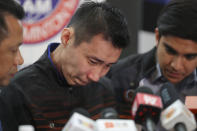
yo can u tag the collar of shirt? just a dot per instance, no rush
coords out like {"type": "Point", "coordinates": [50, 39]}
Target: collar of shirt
{"type": "Point", "coordinates": [158, 77]}
{"type": "Point", "coordinates": [51, 48]}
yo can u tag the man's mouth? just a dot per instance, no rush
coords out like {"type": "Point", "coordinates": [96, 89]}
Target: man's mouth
{"type": "Point", "coordinates": [12, 74]}
{"type": "Point", "coordinates": [81, 82]}
{"type": "Point", "coordinates": [174, 75]}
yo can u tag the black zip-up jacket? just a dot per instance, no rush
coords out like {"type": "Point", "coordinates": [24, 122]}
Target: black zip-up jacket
{"type": "Point", "coordinates": [48, 100]}
{"type": "Point", "coordinates": [12, 109]}
{"type": "Point", "coordinates": [127, 73]}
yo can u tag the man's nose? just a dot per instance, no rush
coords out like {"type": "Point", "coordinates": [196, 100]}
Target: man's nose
{"type": "Point", "coordinates": [95, 74]}
{"type": "Point", "coordinates": [19, 59]}
{"type": "Point", "coordinates": [177, 63]}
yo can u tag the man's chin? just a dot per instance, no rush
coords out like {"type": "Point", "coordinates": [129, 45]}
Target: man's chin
{"type": "Point", "coordinates": [4, 82]}
{"type": "Point", "coordinates": [173, 78]}
{"type": "Point", "coordinates": [80, 84]}
{"type": "Point", "coordinates": [174, 81]}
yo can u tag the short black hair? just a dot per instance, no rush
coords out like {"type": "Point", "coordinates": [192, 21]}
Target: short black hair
{"type": "Point", "coordinates": [94, 18]}
{"type": "Point", "coordinates": [10, 7]}
{"type": "Point", "coordinates": [179, 18]}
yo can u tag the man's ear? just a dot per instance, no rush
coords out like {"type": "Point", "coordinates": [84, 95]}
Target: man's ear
{"type": "Point", "coordinates": [65, 36]}
{"type": "Point", "coordinates": [157, 36]}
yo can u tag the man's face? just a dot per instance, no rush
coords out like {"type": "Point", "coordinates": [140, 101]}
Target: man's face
{"type": "Point", "coordinates": [177, 57]}
{"type": "Point", "coordinates": [88, 61]}
{"type": "Point", "coordinates": [10, 55]}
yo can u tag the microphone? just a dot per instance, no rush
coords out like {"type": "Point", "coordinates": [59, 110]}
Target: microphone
{"type": "Point", "coordinates": [115, 125]}
{"type": "Point", "coordinates": [109, 113]}
{"type": "Point", "coordinates": [146, 108]}
{"type": "Point", "coordinates": [81, 111]}
{"type": "Point", "coordinates": [25, 128]}
{"type": "Point", "coordinates": [109, 122]}
{"type": "Point", "coordinates": [175, 115]}
{"type": "Point", "coordinates": [79, 122]}
{"type": "Point", "coordinates": [128, 95]}
{"type": "Point", "coordinates": [191, 104]}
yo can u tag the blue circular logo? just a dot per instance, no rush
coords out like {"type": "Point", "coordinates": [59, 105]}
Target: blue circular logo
{"type": "Point", "coordinates": [45, 18]}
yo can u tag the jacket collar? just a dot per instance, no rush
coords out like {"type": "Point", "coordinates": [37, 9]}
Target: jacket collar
{"type": "Point", "coordinates": [148, 63]}
{"type": "Point", "coordinates": [46, 62]}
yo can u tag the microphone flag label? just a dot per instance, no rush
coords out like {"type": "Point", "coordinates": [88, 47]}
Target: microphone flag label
{"type": "Point", "coordinates": [145, 99]}
{"type": "Point", "coordinates": [150, 100]}
{"type": "Point", "coordinates": [177, 113]}
{"type": "Point", "coordinates": [115, 125]}
{"type": "Point", "coordinates": [146, 104]}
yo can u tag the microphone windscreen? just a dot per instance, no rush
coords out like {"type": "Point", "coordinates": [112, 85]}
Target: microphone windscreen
{"type": "Point", "coordinates": [145, 105]}
{"type": "Point", "coordinates": [141, 89]}
{"type": "Point", "coordinates": [191, 104]}
{"type": "Point", "coordinates": [109, 113]}
{"type": "Point", "coordinates": [168, 94]}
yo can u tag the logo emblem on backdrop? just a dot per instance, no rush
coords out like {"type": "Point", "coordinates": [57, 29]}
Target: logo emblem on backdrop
{"type": "Point", "coordinates": [45, 18]}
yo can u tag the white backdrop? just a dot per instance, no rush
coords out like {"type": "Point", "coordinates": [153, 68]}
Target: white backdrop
{"type": "Point", "coordinates": [32, 52]}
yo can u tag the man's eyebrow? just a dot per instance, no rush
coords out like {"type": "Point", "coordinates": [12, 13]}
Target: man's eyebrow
{"type": "Point", "coordinates": [19, 44]}
{"type": "Point", "coordinates": [169, 47]}
{"type": "Point", "coordinates": [191, 54]}
{"type": "Point", "coordinates": [96, 59]}
{"type": "Point", "coordinates": [16, 46]}
{"type": "Point", "coordinates": [101, 61]}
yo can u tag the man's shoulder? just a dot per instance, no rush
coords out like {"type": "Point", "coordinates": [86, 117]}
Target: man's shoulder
{"type": "Point", "coordinates": [124, 63]}
{"type": "Point", "coordinates": [25, 73]}
{"type": "Point", "coordinates": [131, 63]}
{"type": "Point", "coordinates": [103, 84]}
{"type": "Point", "coordinates": [135, 59]}
{"type": "Point", "coordinates": [35, 70]}
{"type": "Point", "coordinates": [129, 60]}
{"type": "Point", "coordinates": [30, 74]}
